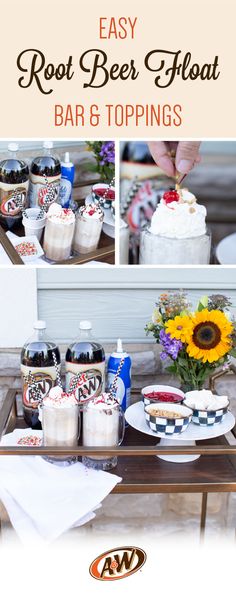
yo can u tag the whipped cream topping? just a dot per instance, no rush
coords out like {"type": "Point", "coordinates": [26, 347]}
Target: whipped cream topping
{"type": "Point", "coordinates": [205, 400]}
{"type": "Point", "coordinates": [104, 402]}
{"type": "Point", "coordinates": [62, 216]}
{"type": "Point", "coordinates": [59, 399]}
{"type": "Point", "coordinates": [179, 219]}
{"type": "Point", "coordinates": [91, 211]}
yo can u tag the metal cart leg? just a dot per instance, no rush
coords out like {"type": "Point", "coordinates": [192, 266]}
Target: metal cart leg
{"type": "Point", "coordinates": [203, 515]}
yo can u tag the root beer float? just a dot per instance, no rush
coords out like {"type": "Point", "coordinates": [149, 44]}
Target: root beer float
{"type": "Point", "coordinates": [59, 231]}
{"type": "Point", "coordinates": [88, 227]}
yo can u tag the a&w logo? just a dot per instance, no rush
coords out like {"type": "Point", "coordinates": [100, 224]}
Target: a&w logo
{"type": "Point", "coordinates": [88, 385]}
{"type": "Point", "coordinates": [117, 563]}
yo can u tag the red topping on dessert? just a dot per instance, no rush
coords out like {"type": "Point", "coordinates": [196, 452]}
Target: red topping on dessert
{"type": "Point", "coordinates": [110, 194]}
{"type": "Point", "coordinates": [171, 196]}
{"type": "Point", "coordinates": [91, 212]}
{"type": "Point", "coordinates": [164, 397]}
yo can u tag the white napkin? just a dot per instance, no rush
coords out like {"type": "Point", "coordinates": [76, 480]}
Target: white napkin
{"type": "Point", "coordinates": [44, 500]}
{"type": "Point", "coordinates": [4, 258]}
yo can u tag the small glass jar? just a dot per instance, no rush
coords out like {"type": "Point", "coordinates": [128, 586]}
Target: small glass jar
{"type": "Point", "coordinates": [61, 429]}
{"type": "Point", "coordinates": [102, 427]}
{"type": "Point", "coordinates": [155, 249]}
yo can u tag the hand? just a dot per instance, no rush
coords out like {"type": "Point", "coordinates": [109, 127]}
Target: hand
{"type": "Point", "coordinates": [186, 156]}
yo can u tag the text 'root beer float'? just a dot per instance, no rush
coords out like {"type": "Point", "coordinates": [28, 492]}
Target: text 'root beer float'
{"type": "Point", "coordinates": [45, 176]}
{"type": "Point", "coordinates": [86, 356]}
{"type": "Point", "coordinates": [14, 174]}
{"type": "Point", "coordinates": [39, 358]}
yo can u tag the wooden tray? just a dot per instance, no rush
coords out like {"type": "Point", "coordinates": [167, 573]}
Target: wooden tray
{"type": "Point", "coordinates": [140, 469]}
{"type": "Point", "coordinates": [104, 253]}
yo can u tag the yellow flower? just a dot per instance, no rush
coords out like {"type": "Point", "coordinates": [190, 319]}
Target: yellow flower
{"type": "Point", "coordinates": [209, 339]}
{"type": "Point", "coordinates": [180, 327]}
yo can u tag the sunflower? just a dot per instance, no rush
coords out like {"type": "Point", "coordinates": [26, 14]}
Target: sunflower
{"type": "Point", "coordinates": [209, 339]}
{"type": "Point", "coordinates": [180, 327]}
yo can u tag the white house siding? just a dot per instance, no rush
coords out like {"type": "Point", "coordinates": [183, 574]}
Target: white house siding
{"type": "Point", "coordinates": [117, 302]}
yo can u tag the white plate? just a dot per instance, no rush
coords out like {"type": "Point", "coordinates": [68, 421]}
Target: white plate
{"type": "Point", "coordinates": [135, 417]}
{"type": "Point", "coordinates": [15, 240]}
{"type": "Point", "coordinates": [109, 230]}
{"type": "Point", "coordinates": [11, 439]}
{"type": "Point", "coordinates": [226, 250]}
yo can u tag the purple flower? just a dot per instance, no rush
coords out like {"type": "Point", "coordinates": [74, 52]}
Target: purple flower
{"type": "Point", "coordinates": [163, 356]}
{"type": "Point", "coordinates": [171, 346]}
{"type": "Point", "coordinates": [107, 153]}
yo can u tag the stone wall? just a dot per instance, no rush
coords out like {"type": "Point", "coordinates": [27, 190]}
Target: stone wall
{"type": "Point", "coordinates": [167, 514]}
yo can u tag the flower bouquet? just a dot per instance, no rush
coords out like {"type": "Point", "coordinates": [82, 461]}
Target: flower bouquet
{"type": "Point", "coordinates": [104, 153]}
{"type": "Point", "coordinates": [197, 342]}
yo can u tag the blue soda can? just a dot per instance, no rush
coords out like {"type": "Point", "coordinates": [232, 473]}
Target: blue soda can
{"type": "Point", "coordinates": [124, 379]}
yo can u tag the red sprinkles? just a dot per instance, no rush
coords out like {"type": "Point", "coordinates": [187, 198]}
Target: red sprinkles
{"type": "Point", "coordinates": [26, 248]}
{"type": "Point", "coordinates": [109, 193]}
{"type": "Point", "coordinates": [164, 397]}
{"type": "Point", "coordinates": [30, 440]}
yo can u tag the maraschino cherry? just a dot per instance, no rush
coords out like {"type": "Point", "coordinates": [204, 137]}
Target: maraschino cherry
{"type": "Point", "coordinates": [171, 196]}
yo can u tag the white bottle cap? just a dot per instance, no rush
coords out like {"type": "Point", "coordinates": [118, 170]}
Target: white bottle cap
{"type": "Point", "coordinates": [13, 146]}
{"type": "Point", "coordinates": [85, 325]}
{"type": "Point", "coordinates": [67, 158]}
{"type": "Point", "coordinates": [40, 325]}
{"type": "Point", "coordinates": [119, 346]}
{"type": "Point", "coordinates": [48, 144]}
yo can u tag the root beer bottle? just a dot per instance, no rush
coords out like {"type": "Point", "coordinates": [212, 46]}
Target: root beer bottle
{"type": "Point", "coordinates": [37, 357]}
{"type": "Point", "coordinates": [14, 180]}
{"type": "Point", "coordinates": [137, 161]}
{"type": "Point", "coordinates": [87, 356]}
{"type": "Point", "coordinates": [45, 176]}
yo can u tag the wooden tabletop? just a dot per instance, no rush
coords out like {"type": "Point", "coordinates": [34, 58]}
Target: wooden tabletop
{"type": "Point", "coordinates": [149, 474]}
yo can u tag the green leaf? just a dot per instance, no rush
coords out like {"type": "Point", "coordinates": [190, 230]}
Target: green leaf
{"type": "Point", "coordinates": [171, 368]}
{"type": "Point", "coordinates": [203, 303]}
{"type": "Point", "coordinates": [184, 312]}
{"type": "Point", "coordinates": [183, 363]}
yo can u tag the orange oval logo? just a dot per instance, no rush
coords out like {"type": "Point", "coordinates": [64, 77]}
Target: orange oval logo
{"type": "Point", "coordinates": [117, 563]}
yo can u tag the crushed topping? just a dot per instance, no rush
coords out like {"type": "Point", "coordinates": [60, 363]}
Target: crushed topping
{"type": "Point", "coordinates": [30, 440]}
{"type": "Point", "coordinates": [26, 248]}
